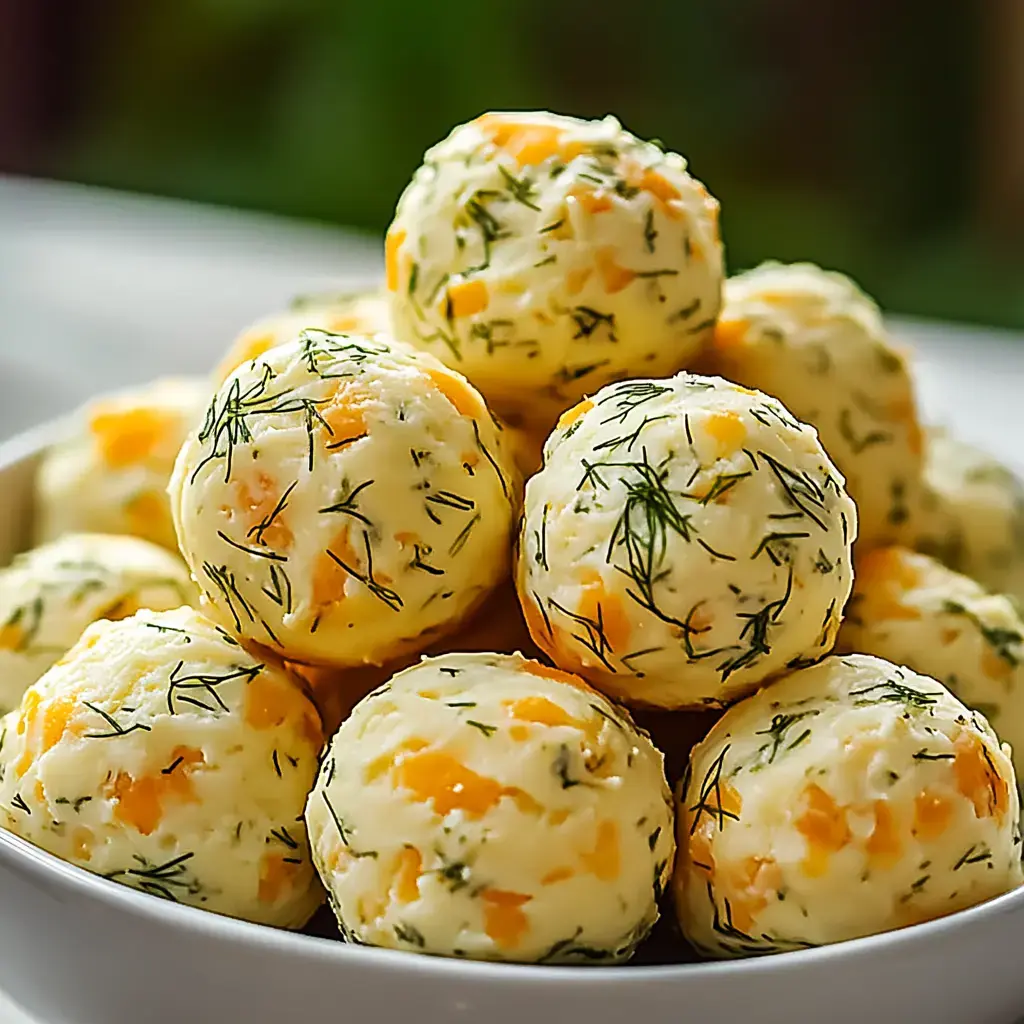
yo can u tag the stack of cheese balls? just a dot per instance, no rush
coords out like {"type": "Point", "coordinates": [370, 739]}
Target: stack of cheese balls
{"type": "Point", "coordinates": [468, 560]}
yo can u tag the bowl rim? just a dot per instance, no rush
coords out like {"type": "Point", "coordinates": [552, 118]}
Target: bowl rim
{"type": "Point", "coordinates": [49, 870]}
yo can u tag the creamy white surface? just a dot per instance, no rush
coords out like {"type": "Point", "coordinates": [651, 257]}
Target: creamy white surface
{"type": "Point", "coordinates": [543, 256]}
{"type": "Point", "coordinates": [50, 594]}
{"type": "Point", "coordinates": [486, 806]}
{"type": "Point", "coordinates": [846, 799]}
{"type": "Point", "coordinates": [815, 341]}
{"type": "Point", "coordinates": [160, 753]}
{"type": "Point", "coordinates": [110, 474]}
{"type": "Point", "coordinates": [912, 610]}
{"type": "Point", "coordinates": [971, 513]}
{"type": "Point", "coordinates": [686, 539]}
{"type": "Point", "coordinates": [346, 501]}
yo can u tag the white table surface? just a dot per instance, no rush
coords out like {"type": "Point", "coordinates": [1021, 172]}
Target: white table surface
{"type": "Point", "coordinates": [100, 289]}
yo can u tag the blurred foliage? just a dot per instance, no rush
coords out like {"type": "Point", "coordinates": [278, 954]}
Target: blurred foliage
{"type": "Point", "coordinates": [844, 133]}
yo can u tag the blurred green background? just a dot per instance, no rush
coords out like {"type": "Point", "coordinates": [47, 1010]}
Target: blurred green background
{"type": "Point", "coordinates": [882, 138]}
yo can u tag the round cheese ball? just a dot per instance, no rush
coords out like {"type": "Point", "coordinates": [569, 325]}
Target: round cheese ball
{"type": "Point", "coordinates": [846, 799]}
{"type": "Point", "coordinates": [50, 594]}
{"type": "Point", "coordinates": [355, 313]}
{"type": "Point", "coordinates": [815, 341]}
{"type": "Point", "coordinates": [912, 610]}
{"type": "Point", "coordinates": [110, 473]}
{"type": "Point", "coordinates": [487, 806]}
{"type": "Point", "coordinates": [161, 754]}
{"type": "Point", "coordinates": [685, 540]}
{"type": "Point", "coordinates": [544, 256]}
{"type": "Point", "coordinates": [346, 500]}
{"type": "Point", "coordinates": [971, 514]}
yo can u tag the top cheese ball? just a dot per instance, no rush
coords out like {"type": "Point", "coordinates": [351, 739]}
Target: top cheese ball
{"type": "Point", "coordinates": [544, 256]}
{"type": "Point", "coordinates": [850, 798]}
{"type": "Point", "coordinates": [816, 342]}
{"type": "Point", "coordinates": [346, 500]}
{"type": "Point", "coordinates": [971, 514]}
{"type": "Point", "coordinates": [686, 539]}
{"type": "Point", "coordinates": [110, 474]}
{"type": "Point", "coordinates": [50, 594]}
{"type": "Point", "coordinates": [357, 313]}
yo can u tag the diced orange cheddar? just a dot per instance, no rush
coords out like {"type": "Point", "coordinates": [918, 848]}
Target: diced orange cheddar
{"type": "Point", "coordinates": [45, 722]}
{"type": "Point", "coordinates": [458, 392]}
{"type": "Point", "coordinates": [994, 666]}
{"type": "Point", "coordinates": [933, 811]}
{"type": "Point", "coordinates": [730, 335]}
{"type": "Point", "coordinates": [258, 503]}
{"type": "Point", "coordinates": [539, 710]}
{"type": "Point", "coordinates": [660, 188]}
{"type": "Point", "coordinates": [604, 862]}
{"type": "Point", "coordinates": [592, 201]}
{"type": "Point", "coordinates": [883, 846]}
{"type": "Point", "coordinates": [329, 577]}
{"type": "Point", "coordinates": [277, 877]}
{"type": "Point", "coordinates": [504, 920]}
{"type": "Point", "coordinates": [149, 514]}
{"type": "Point", "coordinates": [438, 778]}
{"type": "Point", "coordinates": [126, 437]}
{"type": "Point", "coordinates": [727, 429]}
{"type": "Point", "coordinates": [271, 700]}
{"type": "Point", "coordinates": [613, 276]}
{"type": "Point", "coordinates": [345, 415]}
{"type": "Point", "coordinates": [466, 298]}
{"type": "Point", "coordinates": [977, 778]}
{"type": "Point", "coordinates": [883, 578]}
{"type": "Point", "coordinates": [140, 802]}
{"type": "Point", "coordinates": [576, 279]}
{"type": "Point", "coordinates": [528, 144]}
{"type": "Point", "coordinates": [249, 345]}
{"type": "Point", "coordinates": [381, 765]}
{"type": "Point", "coordinates": [12, 636]}
{"type": "Point", "coordinates": [747, 886]}
{"type": "Point", "coordinates": [82, 842]}
{"type": "Point", "coordinates": [823, 824]}
{"type": "Point", "coordinates": [557, 875]}
{"type": "Point", "coordinates": [392, 245]}
{"type": "Point", "coordinates": [407, 875]}
{"type": "Point", "coordinates": [570, 416]}
{"type": "Point", "coordinates": [598, 604]}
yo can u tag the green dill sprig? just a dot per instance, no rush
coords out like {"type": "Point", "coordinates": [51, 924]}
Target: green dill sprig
{"type": "Point", "coordinates": [168, 880]}
{"type": "Point", "coordinates": [116, 728]}
{"type": "Point", "coordinates": [384, 594]}
{"type": "Point", "coordinates": [224, 580]}
{"type": "Point", "coordinates": [892, 692]}
{"type": "Point", "coordinates": [347, 501]}
{"type": "Point", "coordinates": [588, 320]}
{"type": "Point", "coordinates": [1004, 642]}
{"type": "Point", "coordinates": [712, 786]}
{"type": "Point", "coordinates": [755, 631]}
{"type": "Point", "coordinates": [778, 732]}
{"type": "Point", "coordinates": [183, 686]}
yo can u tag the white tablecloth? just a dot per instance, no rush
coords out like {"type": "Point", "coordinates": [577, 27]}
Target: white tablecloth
{"type": "Point", "coordinates": [100, 289]}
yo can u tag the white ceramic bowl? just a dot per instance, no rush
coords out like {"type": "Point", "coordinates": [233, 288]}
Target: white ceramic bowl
{"type": "Point", "coordinates": [78, 948]}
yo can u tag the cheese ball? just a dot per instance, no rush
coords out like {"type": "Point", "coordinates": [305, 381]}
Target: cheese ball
{"type": "Point", "coordinates": [109, 475]}
{"type": "Point", "coordinates": [686, 539]}
{"type": "Point", "coordinates": [544, 256]}
{"type": "Point", "coordinates": [355, 313]}
{"type": "Point", "coordinates": [161, 754]}
{"type": "Point", "coordinates": [346, 501]}
{"type": "Point", "coordinates": [912, 610]}
{"type": "Point", "coordinates": [815, 341]}
{"type": "Point", "coordinates": [487, 806]}
{"type": "Point", "coordinates": [971, 514]}
{"type": "Point", "coordinates": [50, 594]}
{"type": "Point", "coordinates": [850, 798]}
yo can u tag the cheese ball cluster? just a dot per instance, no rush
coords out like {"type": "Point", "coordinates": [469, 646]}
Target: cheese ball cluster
{"type": "Point", "coordinates": [162, 755]}
{"type": "Point", "coordinates": [686, 539]}
{"type": "Point", "coordinates": [50, 594]}
{"type": "Point", "coordinates": [109, 475]}
{"type": "Point", "coordinates": [971, 514]}
{"type": "Point", "coordinates": [354, 313]}
{"type": "Point", "coordinates": [910, 609]}
{"type": "Point", "coordinates": [544, 256]}
{"type": "Point", "coordinates": [345, 501]}
{"type": "Point", "coordinates": [849, 798]}
{"type": "Point", "coordinates": [489, 807]}
{"type": "Point", "coordinates": [815, 341]}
